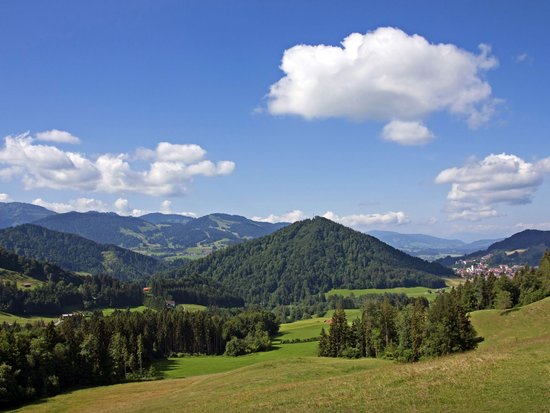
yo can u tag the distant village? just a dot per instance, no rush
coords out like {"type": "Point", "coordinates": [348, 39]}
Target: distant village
{"type": "Point", "coordinates": [479, 266]}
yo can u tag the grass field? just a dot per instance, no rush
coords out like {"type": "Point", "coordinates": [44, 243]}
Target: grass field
{"type": "Point", "coordinates": [412, 292]}
{"type": "Point", "coordinates": [109, 311]}
{"type": "Point", "coordinates": [408, 291]}
{"type": "Point", "coordinates": [141, 308]}
{"type": "Point", "coordinates": [10, 318]}
{"type": "Point", "coordinates": [192, 307]}
{"type": "Point", "coordinates": [20, 279]}
{"type": "Point", "coordinates": [509, 372]}
{"type": "Point", "coordinates": [304, 329]}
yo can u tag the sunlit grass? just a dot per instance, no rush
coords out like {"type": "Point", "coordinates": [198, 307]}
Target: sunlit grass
{"type": "Point", "coordinates": [509, 372]}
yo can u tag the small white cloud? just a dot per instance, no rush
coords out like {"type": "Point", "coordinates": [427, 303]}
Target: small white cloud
{"type": "Point", "coordinates": [4, 197]}
{"type": "Point", "coordinates": [523, 58]}
{"type": "Point", "coordinates": [79, 205]}
{"type": "Point", "coordinates": [166, 207]}
{"type": "Point", "coordinates": [362, 221]}
{"type": "Point", "coordinates": [168, 152]}
{"type": "Point", "coordinates": [478, 186]}
{"type": "Point", "coordinates": [291, 216]}
{"type": "Point", "coordinates": [471, 213]}
{"type": "Point", "coordinates": [407, 133]}
{"type": "Point", "coordinates": [385, 75]}
{"type": "Point", "coordinates": [57, 136]}
{"type": "Point", "coordinates": [122, 206]}
{"type": "Point", "coordinates": [171, 168]}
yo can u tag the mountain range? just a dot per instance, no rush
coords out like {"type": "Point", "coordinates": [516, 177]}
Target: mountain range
{"type": "Point", "coordinates": [160, 235]}
{"type": "Point", "coordinates": [429, 247]}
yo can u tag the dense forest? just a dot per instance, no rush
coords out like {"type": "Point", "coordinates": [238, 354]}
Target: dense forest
{"type": "Point", "coordinates": [42, 360]}
{"type": "Point", "coordinates": [54, 298]}
{"type": "Point", "coordinates": [195, 289]}
{"type": "Point", "coordinates": [76, 253]}
{"type": "Point", "coordinates": [308, 258]}
{"type": "Point", "coordinates": [59, 290]}
{"type": "Point", "coordinates": [38, 270]}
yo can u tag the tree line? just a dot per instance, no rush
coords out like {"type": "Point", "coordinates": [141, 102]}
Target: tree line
{"type": "Point", "coordinates": [54, 298]}
{"type": "Point", "coordinates": [44, 359]}
{"type": "Point", "coordinates": [405, 333]}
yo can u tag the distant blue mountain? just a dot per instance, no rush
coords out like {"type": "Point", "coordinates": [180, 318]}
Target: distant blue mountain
{"type": "Point", "coordinates": [17, 213]}
{"type": "Point", "coordinates": [429, 247]}
{"type": "Point", "coordinates": [159, 218]}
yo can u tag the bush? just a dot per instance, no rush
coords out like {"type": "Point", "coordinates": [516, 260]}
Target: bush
{"type": "Point", "coordinates": [235, 347]}
{"type": "Point", "coordinates": [351, 353]}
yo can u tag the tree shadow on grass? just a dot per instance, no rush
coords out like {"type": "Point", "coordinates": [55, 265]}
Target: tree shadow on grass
{"type": "Point", "coordinates": [509, 310]}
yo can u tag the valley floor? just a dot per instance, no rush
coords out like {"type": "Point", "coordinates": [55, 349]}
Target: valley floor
{"type": "Point", "coordinates": [509, 372]}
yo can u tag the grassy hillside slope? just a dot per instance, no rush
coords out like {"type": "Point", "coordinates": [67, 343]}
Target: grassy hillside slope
{"type": "Point", "coordinates": [509, 372]}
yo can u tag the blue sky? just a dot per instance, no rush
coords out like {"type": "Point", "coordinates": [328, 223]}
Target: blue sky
{"type": "Point", "coordinates": [366, 133]}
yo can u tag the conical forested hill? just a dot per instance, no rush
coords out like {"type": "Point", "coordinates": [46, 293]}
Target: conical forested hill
{"type": "Point", "coordinates": [311, 257]}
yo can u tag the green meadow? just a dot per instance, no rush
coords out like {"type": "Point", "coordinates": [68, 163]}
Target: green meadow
{"type": "Point", "coordinates": [408, 291]}
{"type": "Point", "coordinates": [413, 292]}
{"type": "Point", "coordinates": [188, 366]}
{"type": "Point", "coordinates": [10, 318]}
{"type": "Point", "coordinates": [509, 372]}
{"type": "Point", "coordinates": [109, 311]}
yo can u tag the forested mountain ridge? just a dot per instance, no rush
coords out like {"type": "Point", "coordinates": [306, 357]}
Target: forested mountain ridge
{"type": "Point", "coordinates": [75, 253]}
{"type": "Point", "coordinates": [523, 239]}
{"type": "Point", "coordinates": [105, 228]}
{"type": "Point", "coordinates": [311, 257]}
{"type": "Point", "coordinates": [160, 218]}
{"type": "Point", "coordinates": [17, 213]}
{"type": "Point", "coordinates": [523, 248]}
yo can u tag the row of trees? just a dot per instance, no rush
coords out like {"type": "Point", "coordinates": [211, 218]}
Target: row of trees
{"type": "Point", "coordinates": [318, 305]}
{"type": "Point", "coordinates": [42, 360]}
{"type": "Point", "coordinates": [405, 333]}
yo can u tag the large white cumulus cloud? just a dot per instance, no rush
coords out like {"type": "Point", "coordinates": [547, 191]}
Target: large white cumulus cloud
{"type": "Point", "coordinates": [480, 185]}
{"type": "Point", "coordinates": [292, 216]}
{"type": "Point", "coordinates": [170, 170]}
{"type": "Point", "coordinates": [384, 75]}
{"type": "Point", "coordinates": [357, 221]}
{"type": "Point", "coordinates": [360, 221]}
